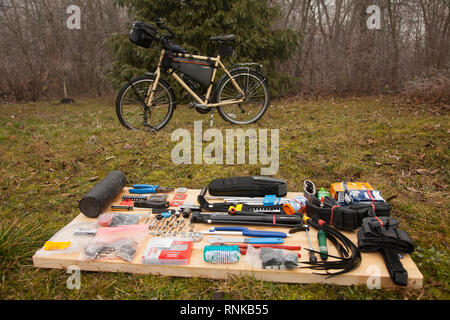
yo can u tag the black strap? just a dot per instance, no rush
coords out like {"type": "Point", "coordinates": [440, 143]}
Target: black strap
{"type": "Point", "coordinates": [398, 274]}
{"type": "Point", "coordinates": [382, 234]}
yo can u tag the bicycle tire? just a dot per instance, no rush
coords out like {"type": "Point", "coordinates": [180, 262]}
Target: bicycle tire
{"type": "Point", "coordinates": [171, 104]}
{"type": "Point", "coordinates": [235, 74]}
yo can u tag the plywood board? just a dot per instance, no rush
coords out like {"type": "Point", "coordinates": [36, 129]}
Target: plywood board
{"type": "Point", "coordinates": [371, 266]}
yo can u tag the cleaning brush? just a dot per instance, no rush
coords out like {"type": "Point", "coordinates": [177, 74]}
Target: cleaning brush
{"type": "Point", "coordinates": [221, 254]}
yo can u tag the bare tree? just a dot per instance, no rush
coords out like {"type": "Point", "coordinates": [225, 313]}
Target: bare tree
{"type": "Point", "coordinates": [340, 55]}
{"type": "Point", "coordinates": [39, 54]}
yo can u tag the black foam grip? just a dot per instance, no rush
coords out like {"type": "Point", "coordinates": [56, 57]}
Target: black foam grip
{"type": "Point", "coordinates": [102, 194]}
{"type": "Point", "coordinates": [203, 192]}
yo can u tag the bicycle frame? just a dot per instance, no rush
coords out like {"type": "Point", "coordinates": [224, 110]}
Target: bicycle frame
{"type": "Point", "coordinates": [204, 103]}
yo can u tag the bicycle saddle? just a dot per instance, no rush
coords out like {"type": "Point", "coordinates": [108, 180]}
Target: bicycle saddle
{"type": "Point", "coordinates": [229, 37]}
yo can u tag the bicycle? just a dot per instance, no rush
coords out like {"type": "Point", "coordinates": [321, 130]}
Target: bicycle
{"type": "Point", "coordinates": [147, 102]}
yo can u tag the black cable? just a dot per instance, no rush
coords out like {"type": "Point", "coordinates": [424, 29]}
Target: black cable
{"type": "Point", "coordinates": [350, 256]}
{"type": "Point", "coordinates": [328, 202]}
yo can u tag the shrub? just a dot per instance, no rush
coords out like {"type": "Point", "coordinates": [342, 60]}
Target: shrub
{"type": "Point", "coordinates": [433, 88]}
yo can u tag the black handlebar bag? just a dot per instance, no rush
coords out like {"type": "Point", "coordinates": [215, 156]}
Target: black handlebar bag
{"type": "Point", "coordinates": [143, 34]}
{"type": "Point", "coordinates": [248, 187]}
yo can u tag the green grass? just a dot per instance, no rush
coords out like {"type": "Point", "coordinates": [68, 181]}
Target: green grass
{"type": "Point", "coordinates": [53, 154]}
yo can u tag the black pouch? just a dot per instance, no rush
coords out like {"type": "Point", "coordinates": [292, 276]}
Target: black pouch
{"type": "Point", "coordinates": [248, 187]}
{"type": "Point", "coordinates": [349, 217]}
{"type": "Point", "coordinates": [152, 204]}
{"type": "Point", "coordinates": [225, 51]}
{"type": "Point", "coordinates": [167, 59]}
{"type": "Point", "coordinates": [142, 34]}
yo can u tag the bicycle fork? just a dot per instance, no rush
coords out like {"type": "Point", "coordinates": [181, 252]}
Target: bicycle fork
{"type": "Point", "coordinates": [152, 88]}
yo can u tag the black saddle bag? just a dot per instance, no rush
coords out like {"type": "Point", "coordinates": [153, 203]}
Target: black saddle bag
{"type": "Point", "coordinates": [248, 187]}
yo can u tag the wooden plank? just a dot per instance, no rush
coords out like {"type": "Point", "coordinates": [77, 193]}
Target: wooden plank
{"type": "Point", "coordinates": [372, 263]}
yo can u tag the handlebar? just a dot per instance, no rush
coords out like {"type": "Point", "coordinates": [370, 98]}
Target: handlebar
{"type": "Point", "coordinates": [160, 24]}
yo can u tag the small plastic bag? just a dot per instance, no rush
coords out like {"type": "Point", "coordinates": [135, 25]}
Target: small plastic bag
{"type": "Point", "coordinates": [271, 258]}
{"type": "Point", "coordinates": [119, 242]}
{"type": "Point", "coordinates": [252, 257]}
{"type": "Point", "coordinates": [298, 204]}
{"type": "Point", "coordinates": [168, 251]}
{"type": "Point", "coordinates": [68, 234]}
{"type": "Point", "coordinates": [117, 219]}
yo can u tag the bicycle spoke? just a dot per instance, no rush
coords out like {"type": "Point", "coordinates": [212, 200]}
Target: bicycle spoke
{"type": "Point", "coordinates": [246, 84]}
{"type": "Point", "coordinates": [130, 100]}
{"type": "Point", "coordinates": [157, 96]}
{"type": "Point", "coordinates": [254, 87]}
{"type": "Point", "coordinates": [135, 114]}
{"type": "Point", "coordinates": [255, 99]}
{"type": "Point", "coordinates": [230, 91]}
{"type": "Point", "coordinates": [254, 96]}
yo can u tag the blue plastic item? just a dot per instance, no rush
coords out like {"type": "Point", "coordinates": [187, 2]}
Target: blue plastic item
{"type": "Point", "coordinates": [144, 188]}
{"type": "Point", "coordinates": [166, 214]}
{"type": "Point", "coordinates": [264, 240]}
{"type": "Point", "coordinates": [253, 233]}
{"type": "Point", "coordinates": [271, 200]}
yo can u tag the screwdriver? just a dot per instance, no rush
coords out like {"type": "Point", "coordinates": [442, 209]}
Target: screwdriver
{"type": "Point", "coordinates": [322, 237]}
{"type": "Point", "coordinates": [312, 256]}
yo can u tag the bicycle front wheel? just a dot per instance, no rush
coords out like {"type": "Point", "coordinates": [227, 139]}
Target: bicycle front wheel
{"type": "Point", "coordinates": [256, 101]}
{"type": "Point", "coordinates": [134, 110]}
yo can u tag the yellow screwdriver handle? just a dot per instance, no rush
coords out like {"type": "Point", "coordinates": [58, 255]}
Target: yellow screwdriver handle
{"type": "Point", "coordinates": [305, 218]}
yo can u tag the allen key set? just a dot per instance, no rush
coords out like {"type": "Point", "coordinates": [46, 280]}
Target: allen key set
{"type": "Point", "coordinates": [170, 224]}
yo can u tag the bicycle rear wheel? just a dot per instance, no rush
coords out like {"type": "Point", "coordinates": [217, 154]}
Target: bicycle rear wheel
{"type": "Point", "coordinates": [136, 113]}
{"type": "Point", "coordinates": [257, 96]}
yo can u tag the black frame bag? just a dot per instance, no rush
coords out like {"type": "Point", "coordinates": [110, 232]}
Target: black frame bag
{"type": "Point", "coordinates": [248, 187]}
